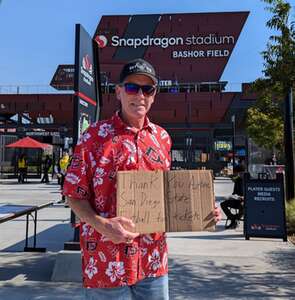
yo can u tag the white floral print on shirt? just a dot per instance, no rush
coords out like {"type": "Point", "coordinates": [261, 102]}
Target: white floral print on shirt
{"type": "Point", "coordinates": [115, 270]}
{"type": "Point", "coordinates": [105, 129]}
{"type": "Point", "coordinates": [91, 269]}
{"type": "Point", "coordinates": [99, 173]}
{"type": "Point", "coordinates": [84, 138]}
{"type": "Point", "coordinates": [154, 260]}
{"type": "Point", "coordinates": [87, 230]}
{"type": "Point", "coordinates": [147, 239]}
{"type": "Point", "coordinates": [72, 178]}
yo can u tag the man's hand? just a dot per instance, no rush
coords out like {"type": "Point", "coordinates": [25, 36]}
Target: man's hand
{"type": "Point", "coordinates": [118, 230]}
{"type": "Point", "coordinates": [217, 214]}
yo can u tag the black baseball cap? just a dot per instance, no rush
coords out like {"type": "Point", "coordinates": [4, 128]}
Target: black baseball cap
{"type": "Point", "coordinates": [138, 66]}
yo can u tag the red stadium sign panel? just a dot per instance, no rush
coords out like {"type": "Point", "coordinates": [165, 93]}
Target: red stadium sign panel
{"type": "Point", "coordinates": [183, 47]}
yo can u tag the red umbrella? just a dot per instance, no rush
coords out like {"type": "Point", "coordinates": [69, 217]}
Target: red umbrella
{"type": "Point", "coordinates": [28, 142]}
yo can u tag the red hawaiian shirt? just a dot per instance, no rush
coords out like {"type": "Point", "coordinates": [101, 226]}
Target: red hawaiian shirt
{"type": "Point", "coordinates": [106, 147]}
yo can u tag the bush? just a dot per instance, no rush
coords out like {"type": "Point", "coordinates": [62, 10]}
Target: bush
{"type": "Point", "coordinates": [290, 216]}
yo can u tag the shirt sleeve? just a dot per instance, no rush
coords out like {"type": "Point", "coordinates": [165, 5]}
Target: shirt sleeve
{"type": "Point", "coordinates": [78, 180]}
{"type": "Point", "coordinates": [166, 139]}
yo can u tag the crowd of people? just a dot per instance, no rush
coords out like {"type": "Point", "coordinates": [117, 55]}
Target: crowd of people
{"type": "Point", "coordinates": [57, 169]}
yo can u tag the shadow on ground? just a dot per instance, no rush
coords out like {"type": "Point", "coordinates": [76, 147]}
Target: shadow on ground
{"type": "Point", "coordinates": [283, 259]}
{"type": "Point", "coordinates": [208, 279]}
{"type": "Point", "coordinates": [42, 291]}
{"type": "Point", "coordinates": [210, 237]}
{"type": "Point", "coordinates": [27, 266]}
{"type": "Point", "coordinates": [52, 238]}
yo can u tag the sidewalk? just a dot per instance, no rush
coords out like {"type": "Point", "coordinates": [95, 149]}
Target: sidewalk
{"type": "Point", "coordinates": [203, 265]}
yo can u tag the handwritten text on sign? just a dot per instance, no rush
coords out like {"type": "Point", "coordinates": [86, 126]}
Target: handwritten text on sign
{"type": "Point", "coordinates": [166, 201]}
{"type": "Point", "coordinates": [140, 197]}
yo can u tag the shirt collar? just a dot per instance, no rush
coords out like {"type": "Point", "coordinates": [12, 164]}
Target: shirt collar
{"type": "Point", "coordinates": [120, 124]}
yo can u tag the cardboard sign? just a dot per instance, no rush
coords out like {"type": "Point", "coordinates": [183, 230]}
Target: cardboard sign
{"type": "Point", "coordinates": [140, 197]}
{"type": "Point", "coordinates": [169, 201]}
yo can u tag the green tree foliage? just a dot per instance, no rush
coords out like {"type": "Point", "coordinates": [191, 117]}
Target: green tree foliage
{"type": "Point", "coordinates": [266, 124]}
{"type": "Point", "coordinates": [290, 216]}
{"type": "Point", "coordinates": [265, 119]}
{"type": "Point", "coordinates": [280, 54]}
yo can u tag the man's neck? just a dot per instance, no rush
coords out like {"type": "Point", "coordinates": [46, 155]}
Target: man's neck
{"type": "Point", "coordinates": [134, 123]}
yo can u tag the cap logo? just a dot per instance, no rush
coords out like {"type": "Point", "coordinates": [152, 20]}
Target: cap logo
{"type": "Point", "coordinates": [140, 67]}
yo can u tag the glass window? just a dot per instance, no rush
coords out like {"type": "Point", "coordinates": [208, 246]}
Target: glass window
{"type": "Point", "coordinates": [177, 155]}
{"type": "Point", "coordinates": [198, 153]}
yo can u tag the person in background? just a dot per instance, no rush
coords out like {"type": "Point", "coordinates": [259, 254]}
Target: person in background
{"type": "Point", "coordinates": [63, 165]}
{"type": "Point", "coordinates": [272, 160]}
{"type": "Point", "coordinates": [46, 166]}
{"type": "Point", "coordinates": [22, 166]}
{"type": "Point", "coordinates": [53, 164]}
{"type": "Point", "coordinates": [116, 262]}
{"type": "Point", "coordinates": [236, 201]}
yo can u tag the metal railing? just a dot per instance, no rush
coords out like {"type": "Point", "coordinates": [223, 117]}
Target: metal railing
{"type": "Point", "coordinates": [31, 89]}
{"type": "Point", "coordinates": [110, 88]}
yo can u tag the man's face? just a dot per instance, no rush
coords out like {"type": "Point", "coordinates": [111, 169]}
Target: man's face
{"type": "Point", "coordinates": [135, 105]}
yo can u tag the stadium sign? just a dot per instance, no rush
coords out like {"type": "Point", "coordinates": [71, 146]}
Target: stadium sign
{"type": "Point", "coordinates": [165, 42]}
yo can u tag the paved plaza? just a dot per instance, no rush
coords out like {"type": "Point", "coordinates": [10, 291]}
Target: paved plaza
{"type": "Point", "coordinates": [203, 265]}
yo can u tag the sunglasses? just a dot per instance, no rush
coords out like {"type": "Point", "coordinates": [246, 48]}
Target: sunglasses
{"type": "Point", "coordinates": [133, 89]}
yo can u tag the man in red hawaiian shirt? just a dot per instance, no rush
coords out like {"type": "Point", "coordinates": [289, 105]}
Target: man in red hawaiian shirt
{"type": "Point", "coordinates": [117, 263]}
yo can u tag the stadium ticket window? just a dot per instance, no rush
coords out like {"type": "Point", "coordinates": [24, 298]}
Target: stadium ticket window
{"type": "Point", "coordinates": [190, 151]}
{"type": "Point", "coordinates": [188, 159]}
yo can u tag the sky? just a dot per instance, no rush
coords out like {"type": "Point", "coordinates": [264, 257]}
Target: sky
{"type": "Point", "coordinates": [38, 35]}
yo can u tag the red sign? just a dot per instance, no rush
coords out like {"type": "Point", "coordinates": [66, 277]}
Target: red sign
{"type": "Point", "coordinates": [182, 47]}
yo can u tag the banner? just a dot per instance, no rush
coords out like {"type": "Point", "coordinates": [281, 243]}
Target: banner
{"type": "Point", "coordinates": [86, 100]}
{"type": "Point", "coordinates": [86, 107]}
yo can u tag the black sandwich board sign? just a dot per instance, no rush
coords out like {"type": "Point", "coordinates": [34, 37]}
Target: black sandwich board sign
{"type": "Point", "coordinates": [264, 207]}
{"type": "Point", "coordinates": [87, 85]}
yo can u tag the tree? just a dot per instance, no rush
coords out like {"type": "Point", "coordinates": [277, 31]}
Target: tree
{"type": "Point", "coordinates": [265, 120]}
{"type": "Point", "coordinates": [265, 124]}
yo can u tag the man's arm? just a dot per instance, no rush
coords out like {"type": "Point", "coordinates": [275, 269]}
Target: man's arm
{"type": "Point", "coordinates": [115, 229]}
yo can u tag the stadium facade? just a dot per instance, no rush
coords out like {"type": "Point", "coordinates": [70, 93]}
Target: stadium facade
{"type": "Point", "coordinates": [189, 53]}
